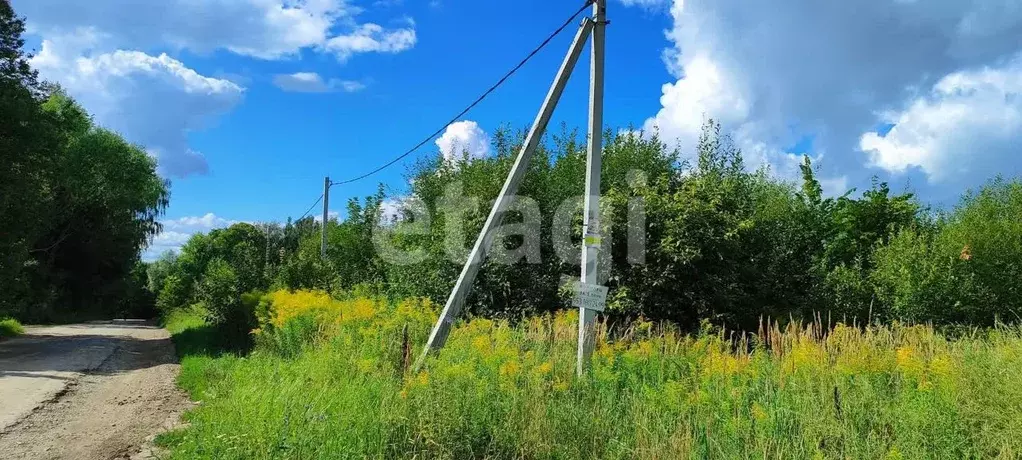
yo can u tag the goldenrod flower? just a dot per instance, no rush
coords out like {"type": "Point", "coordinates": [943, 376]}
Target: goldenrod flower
{"type": "Point", "coordinates": [510, 369]}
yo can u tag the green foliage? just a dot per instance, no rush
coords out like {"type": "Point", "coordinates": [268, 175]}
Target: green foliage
{"type": "Point", "coordinates": [238, 257]}
{"type": "Point", "coordinates": [159, 270]}
{"type": "Point", "coordinates": [305, 268]}
{"type": "Point", "coordinates": [722, 243]}
{"type": "Point", "coordinates": [502, 390]}
{"type": "Point", "coordinates": [554, 179]}
{"type": "Point", "coordinates": [27, 138]}
{"type": "Point", "coordinates": [10, 327]}
{"type": "Point", "coordinates": [172, 294]}
{"type": "Point", "coordinates": [77, 202]}
{"type": "Point", "coordinates": [226, 307]}
{"type": "Point", "coordinates": [294, 337]}
{"type": "Point", "coordinates": [104, 205]}
{"type": "Point", "coordinates": [915, 283]}
{"type": "Point", "coordinates": [859, 225]}
{"type": "Point", "coordinates": [840, 237]}
{"type": "Point", "coordinates": [964, 269]}
{"type": "Point", "coordinates": [243, 247]}
{"type": "Point", "coordinates": [351, 254]}
{"type": "Point", "coordinates": [219, 291]}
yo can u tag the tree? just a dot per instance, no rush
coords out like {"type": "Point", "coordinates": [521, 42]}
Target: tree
{"type": "Point", "coordinates": [104, 207]}
{"type": "Point", "coordinates": [243, 247]}
{"type": "Point", "coordinates": [852, 229]}
{"type": "Point", "coordinates": [218, 291]}
{"type": "Point", "coordinates": [159, 270]}
{"type": "Point", "coordinates": [173, 293]}
{"type": "Point", "coordinates": [28, 141]}
{"type": "Point", "coordinates": [963, 269]}
{"type": "Point", "coordinates": [77, 202]}
{"type": "Point", "coordinates": [351, 254]}
{"type": "Point", "coordinates": [724, 244]}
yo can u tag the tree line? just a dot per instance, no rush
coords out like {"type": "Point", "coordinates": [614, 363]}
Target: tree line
{"type": "Point", "coordinates": [723, 244]}
{"type": "Point", "coordinates": [77, 202]}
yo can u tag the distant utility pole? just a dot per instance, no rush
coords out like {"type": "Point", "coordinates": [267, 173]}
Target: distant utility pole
{"type": "Point", "coordinates": [455, 302]}
{"type": "Point", "coordinates": [326, 211]}
{"type": "Point", "coordinates": [266, 256]}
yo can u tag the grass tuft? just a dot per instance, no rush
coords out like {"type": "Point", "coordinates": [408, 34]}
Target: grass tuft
{"type": "Point", "coordinates": [10, 327]}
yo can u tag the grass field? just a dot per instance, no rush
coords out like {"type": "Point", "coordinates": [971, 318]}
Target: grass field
{"type": "Point", "coordinates": [330, 379]}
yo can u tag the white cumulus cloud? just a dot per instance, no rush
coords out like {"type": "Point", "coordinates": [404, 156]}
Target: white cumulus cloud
{"type": "Point", "coordinates": [777, 72]}
{"type": "Point", "coordinates": [371, 38]}
{"type": "Point", "coordinates": [265, 29]}
{"type": "Point", "coordinates": [116, 58]}
{"type": "Point", "coordinates": [311, 82]}
{"type": "Point", "coordinates": [962, 131]}
{"type": "Point", "coordinates": [332, 215]}
{"type": "Point", "coordinates": [464, 138]}
{"type": "Point", "coordinates": [177, 232]}
{"type": "Point", "coordinates": [648, 4]}
{"type": "Point", "coordinates": [152, 100]}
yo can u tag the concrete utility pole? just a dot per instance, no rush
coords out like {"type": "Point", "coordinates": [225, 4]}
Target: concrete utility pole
{"type": "Point", "coordinates": [452, 309]}
{"type": "Point", "coordinates": [326, 211]}
{"type": "Point", "coordinates": [591, 238]}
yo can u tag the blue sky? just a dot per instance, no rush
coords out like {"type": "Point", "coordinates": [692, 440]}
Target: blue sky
{"type": "Point", "coordinates": [278, 145]}
{"type": "Point", "coordinates": [247, 104]}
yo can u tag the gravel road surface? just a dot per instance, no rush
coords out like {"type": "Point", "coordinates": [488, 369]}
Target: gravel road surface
{"type": "Point", "coordinates": [87, 391]}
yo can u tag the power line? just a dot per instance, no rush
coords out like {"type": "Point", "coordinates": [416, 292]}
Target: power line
{"type": "Point", "coordinates": [471, 106]}
{"type": "Point", "coordinates": [310, 208]}
{"type": "Point", "coordinates": [476, 102]}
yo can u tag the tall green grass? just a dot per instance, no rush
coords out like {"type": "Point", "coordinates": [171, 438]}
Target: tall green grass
{"type": "Point", "coordinates": [508, 391]}
{"type": "Point", "coordinates": [10, 327]}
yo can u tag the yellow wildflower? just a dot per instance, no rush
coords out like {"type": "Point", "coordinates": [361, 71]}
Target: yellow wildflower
{"type": "Point", "coordinates": [719, 363]}
{"type": "Point", "coordinates": [909, 362]}
{"type": "Point", "coordinates": [941, 367]}
{"type": "Point", "coordinates": [805, 355]}
{"type": "Point", "coordinates": [482, 345]}
{"type": "Point", "coordinates": [422, 379]}
{"type": "Point", "coordinates": [510, 369]}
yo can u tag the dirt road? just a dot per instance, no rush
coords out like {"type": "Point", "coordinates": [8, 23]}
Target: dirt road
{"type": "Point", "coordinates": [86, 391]}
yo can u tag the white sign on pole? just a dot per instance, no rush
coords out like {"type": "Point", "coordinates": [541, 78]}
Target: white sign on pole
{"type": "Point", "coordinates": [590, 296]}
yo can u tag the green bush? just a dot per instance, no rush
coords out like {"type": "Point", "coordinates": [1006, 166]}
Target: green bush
{"type": "Point", "coordinates": [727, 246]}
{"type": "Point", "coordinates": [914, 282]}
{"type": "Point", "coordinates": [219, 292]}
{"type": "Point", "coordinates": [173, 294]}
{"type": "Point", "coordinates": [967, 269]}
{"type": "Point", "coordinates": [295, 336]}
{"type": "Point", "coordinates": [10, 327]}
{"type": "Point", "coordinates": [226, 307]}
{"type": "Point", "coordinates": [849, 292]}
